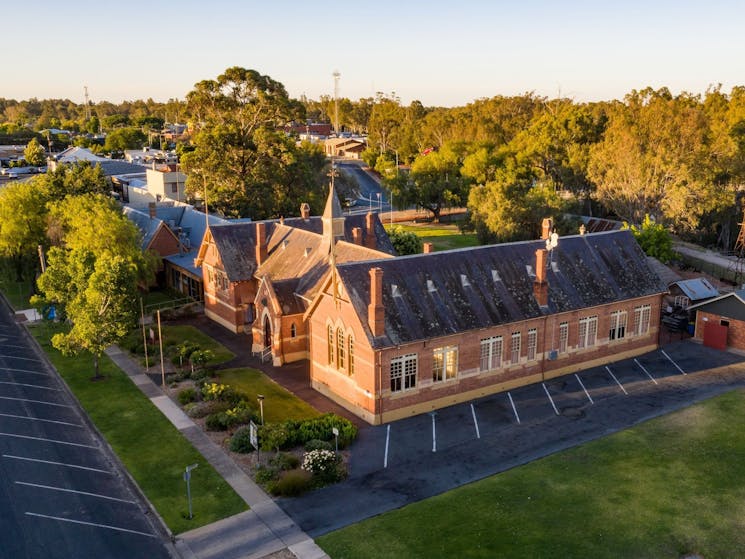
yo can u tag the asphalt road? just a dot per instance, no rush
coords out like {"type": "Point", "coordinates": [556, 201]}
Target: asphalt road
{"type": "Point", "coordinates": [61, 494]}
{"type": "Point", "coordinates": [415, 458]}
{"type": "Point", "coordinates": [369, 187]}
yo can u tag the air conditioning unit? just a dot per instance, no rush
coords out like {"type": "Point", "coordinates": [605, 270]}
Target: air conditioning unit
{"type": "Point", "coordinates": [553, 355]}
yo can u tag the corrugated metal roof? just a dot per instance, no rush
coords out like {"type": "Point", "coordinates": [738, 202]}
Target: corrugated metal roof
{"type": "Point", "coordinates": [697, 289]}
{"type": "Point", "coordinates": [445, 293]}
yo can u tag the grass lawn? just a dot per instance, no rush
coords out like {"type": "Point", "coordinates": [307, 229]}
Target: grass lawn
{"type": "Point", "coordinates": [670, 487]}
{"type": "Point", "coordinates": [174, 335]}
{"type": "Point", "coordinates": [279, 404]}
{"type": "Point", "coordinates": [150, 447]}
{"type": "Point", "coordinates": [442, 236]}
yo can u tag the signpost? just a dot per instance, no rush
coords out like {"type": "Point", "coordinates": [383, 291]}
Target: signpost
{"type": "Point", "coordinates": [253, 435]}
{"type": "Point", "coordinates": [335, 431]}
{"type": "Point", "coordinates": [187, 479]}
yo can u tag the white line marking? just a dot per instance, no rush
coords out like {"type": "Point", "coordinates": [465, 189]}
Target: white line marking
{"type": "Point", "coordinates": [682, 372]}
{"type": "Point", "coordinates": [35, 401]}
{"type": "Point", "coordinates": [75, 491]}
{"type": "Point", "coordinates": [17, 346]}
{"type": "Point", "coordinates": [579, 380]}
{"type": "Point", "coordinates": [434, 434]}
{"type": "Point", "coordinates": [645, 371]}
{"type": "Point", "coordinates": [475, 422]}
{"type": "Point", "coordinates": [387, 438]}
{"type": "Point", "coordinates": [56, 463]}
{"type": "Point", "coordinates": [29, 385]}
{"type": "Point", "coordinates": [514, 409]}
{"type": "Point", "coordinates": [90, 524]}
{"type": "Point", "coordinates": [550, 399]}
{"type": "Point", "coordinates": [617, 381]}
{"type": "Point", "coordinates": [21, 358]}
{"type": "Point", "coordinates": [11, 370]}
{"type": "Point", "coordinates": [46, 440]}
{"type": "Point", "coordinates": [39, 419]}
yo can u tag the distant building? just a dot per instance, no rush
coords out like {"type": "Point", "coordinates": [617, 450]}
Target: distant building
{"type": "Point", "coordinates": [345, 147]}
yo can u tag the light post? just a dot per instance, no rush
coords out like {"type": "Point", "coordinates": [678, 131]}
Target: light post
{"type": "Point", "coordinates": [380, 203]}
{"type": "Point", "coordinates": [187, 479]}
{"type": "Point", "coordinates": [260, 398]}
{"type": "Point", "coordinates": [335, 431]}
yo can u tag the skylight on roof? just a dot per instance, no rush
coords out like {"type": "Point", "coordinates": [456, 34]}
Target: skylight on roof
{"type": "Point", "coordinates": [464, 280]}
{"type": "Point", "coordinates": [394, 290]}
{"type": "Point", "coordinates": [555, 267]}
{"type": "Point", "coordinates": [529, 269]}
{"type": "Point", "coordinates": [495, 276]}
{"type": "Point", "coordinates": [431, 286]}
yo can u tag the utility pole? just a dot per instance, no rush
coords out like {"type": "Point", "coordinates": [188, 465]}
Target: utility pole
{"type": "Point", "coordinates": [336, 75]}
{"type": "Point", "coordinates": [87, 104]}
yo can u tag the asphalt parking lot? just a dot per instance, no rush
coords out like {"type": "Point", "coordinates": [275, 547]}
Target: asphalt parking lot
{"type": "Point", "coordinates": [61, 495]}
{"type": "Point", "coordinates": [414, 458]}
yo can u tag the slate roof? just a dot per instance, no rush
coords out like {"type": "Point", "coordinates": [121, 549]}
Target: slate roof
{"type": "Point", "coordinates": [236, 244]}
{"type": "Point", "coordinates": [445, 293]}
{"type": "Point", "coordinates": [147, 225]}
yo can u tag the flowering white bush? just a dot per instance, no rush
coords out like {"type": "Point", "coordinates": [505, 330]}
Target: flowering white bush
{"type": "Point", "coordinates": [319, 461]}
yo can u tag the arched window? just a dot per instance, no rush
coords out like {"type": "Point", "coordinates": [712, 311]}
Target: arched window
{"type": "Point", "coordinates": [351, 355]}
{"type": "Point", "coordinates": [331, 344]}
{"type": "Point", "coordinates": [340, 351]}
{"type": "Point", "coordinates": [293, 330]}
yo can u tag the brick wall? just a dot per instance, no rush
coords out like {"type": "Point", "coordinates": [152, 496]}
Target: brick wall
{"type": "Point", "coordinates": [735, 329]}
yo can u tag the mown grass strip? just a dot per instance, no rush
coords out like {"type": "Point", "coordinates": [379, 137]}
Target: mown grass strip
{"type": "Point", "coordinates": [672, 487]}
{"type": "Point", "coordinates": [149, 446]}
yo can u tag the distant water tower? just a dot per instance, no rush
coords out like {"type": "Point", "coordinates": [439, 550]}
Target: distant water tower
{"type": "Point", "coordinates": [336, 75]}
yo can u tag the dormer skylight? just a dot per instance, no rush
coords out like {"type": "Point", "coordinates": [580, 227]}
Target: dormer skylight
{"type": "Point", "coordinates": [394, 290]}
{"type": "Point", "coordinates": [431, 286]}
{"type": "Point", "coordinates": [464, 280]}
{"type": "Point", "coordinates": [495, 276]}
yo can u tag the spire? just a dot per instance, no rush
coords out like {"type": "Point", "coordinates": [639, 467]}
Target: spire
{"type": "Point", "coordinates": [333, 217]}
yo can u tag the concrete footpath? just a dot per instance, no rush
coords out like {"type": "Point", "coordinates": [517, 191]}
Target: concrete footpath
{"type": "Point", "coordinates": [263, 530]}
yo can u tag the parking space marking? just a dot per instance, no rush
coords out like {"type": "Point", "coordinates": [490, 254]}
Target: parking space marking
{"type": "Point", "coordinates": [16, 346]}
{"type": "Point", "coordinates": [107, 526]}
{"type": "Point", "coordinates": [10, 370]}
{"type": "Point", "coordinates": [579, 380]}
{"type": "Point", "coordinates": [550, 399]}
{"type": "Point", "coordinates": [434, 432]}
{"type": "Point", "coordinates": [475, 422]}
{"type": "Point", "coordinates": [35, 401]}
{"type": "Point", "coordinates": [46, 440]}
{"type": "Point", "coordinates": [682, 372]}
{"type": "Point", "coordinates": [57, 463]}
{"type": "Point", "coordinates": [387, 438]}
{"type": "Point", "coordinates": [30, 385]}
{"type": "Point", "coordinates": [97, 495]}
{"type": "Point", "coordinates": [645, 371]}
{"type": "Point", "coordinates": [617, 381]}
{"type": "Point", "coordinates": [40, 419]}
{"type": "Point", "coordinates": [514, 409]}
{"type": "Point", "coordinates": [21, 358]}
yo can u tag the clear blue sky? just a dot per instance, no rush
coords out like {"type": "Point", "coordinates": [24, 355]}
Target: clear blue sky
{"type": "Point", "coordinates": [440, 52]}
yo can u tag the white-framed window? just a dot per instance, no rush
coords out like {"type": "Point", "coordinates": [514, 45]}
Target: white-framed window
{"type": "Point", "coordinates": [617, 325]}
{"type": "Point", "coordinates": [444, 363]}
{"type": "Point", "coordinates": [588, 331]}
{"type": "Point", "coordinates": [515, 347]}
{"type": "Point", "coordinates": [532, 343]}
{"type": "Point", "coordinates": [403, 372]}
{"type": "Point", "coordinates": [641, 319]}
{"type": "Point", "coordinates": [330, 339]}
{"type": "Point", "coordinates": [682, 301]}
{"type": "Point", "coordinates": [563, 336]}
{"type": "Point", "coordinates": [340, 349]}
{"type": "Point", "coordinates": [491, 353]}
{"type": "Point", "coordinates": [350, 341]}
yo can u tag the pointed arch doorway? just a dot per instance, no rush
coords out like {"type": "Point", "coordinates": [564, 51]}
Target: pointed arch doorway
{"type": "Point", "coordinates": [267, 332]}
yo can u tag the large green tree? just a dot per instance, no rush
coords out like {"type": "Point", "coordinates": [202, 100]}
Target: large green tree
{"type": "Point", "coordinates": [73, 179]}
{"type": "Point", "coordinates": [34, 154]}
{"type": "Point", "coordinates": [22, 223]}
{"type": "Point", "coordinates": [242, 160]}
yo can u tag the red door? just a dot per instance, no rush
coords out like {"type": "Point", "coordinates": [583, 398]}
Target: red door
{"type": "Point", "coordinates": [715, 335]}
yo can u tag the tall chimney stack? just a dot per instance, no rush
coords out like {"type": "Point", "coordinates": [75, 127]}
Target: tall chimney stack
{"type": "Point", "coordinates": [375, 310]}
{"type": "Point", "coordinates": [357, 235]}
{"type": "Point", "coordinates": [540, 285]}
{"type": "Point", "coordinates": [151, 210]}
{"type": "Point", "coordinates": [261, 252]}
{"type": "Point", "coordinates": [546, 227]}
{"type": "Point", "coordinates": [370, 230]}
{"type": "Point", "coordinates": [305, 210]}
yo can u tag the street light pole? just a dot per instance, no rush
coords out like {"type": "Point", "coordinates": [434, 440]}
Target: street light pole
{"type": "Point", "coordinates": [187, 479]}
{"type": "Point", "coordinates": [260, 397]}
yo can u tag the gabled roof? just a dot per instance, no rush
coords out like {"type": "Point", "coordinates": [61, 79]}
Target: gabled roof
{"type": "Point", "coordinates": [236, 244]}
{"type": "Point", "coordinates": [148, 226]}
{"type": "Point", "coordinates": [697, 289]}
{"type": "Point", "coordinates": [333, 207]}
{"type": "Point", "coordinates": [443, 293]}
{"type": "Point", "coordinates": [730, 305]}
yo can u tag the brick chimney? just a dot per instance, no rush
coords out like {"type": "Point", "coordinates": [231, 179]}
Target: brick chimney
{"type": "Point", "coordinates": [370, 230]}
{"type": "Point", "coordinates": [546, 227]}
{"type": "Point", "coordinates": [357, 235]}
{"type": "Point", "coordinates": [427, 248]}
{"type": "Point", "coordinates": [375, 310]}
{"type": "Point", "coordinates": [305, 210]}
{"type": "Point", "coordinates": [540, 285]}
{"type": "Point", "coordinates": [151, 210]}
{"type": "Point", "coordinates": [260, 243]}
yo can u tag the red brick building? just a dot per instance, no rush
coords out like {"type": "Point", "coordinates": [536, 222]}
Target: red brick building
{"type": "Point", "coordinates": [397, 337]}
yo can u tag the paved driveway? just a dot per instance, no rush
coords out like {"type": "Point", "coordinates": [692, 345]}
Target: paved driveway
{"type": "Point", "coordinates": [409, 460]}
{"type": "Point", "coordinates": [60, 493]}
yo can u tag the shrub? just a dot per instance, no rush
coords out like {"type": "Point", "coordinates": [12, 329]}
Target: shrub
{"type": "Point", "coordinates": [187, 395]}
{"type": "Point", "coordinates": [319, 462]}
{"type": "Point", "coordinates": [316, 444]}
{"type": "Point", "coordinates": [291, 483]}
{"type": "Point", "coordinates": [284, 461]}
{"type": "Point", "coordinates": [190, 408]}
{"type": "Point", "coordinates": [241, 441]}
{"type": "Point", "coordinates": [405, 242]}
{"type": "Point", "coordinates": [274, 436]}
{"type": "Point", "coordinates": [206, 408]}
{"type": "Point", "coordinates": [264, 475]}
{"type": "Point", "coordinates": [320, 428]}
{"type": "Point", "coordinates": [214, 390]}
{"type": "Point", "coordinates": [217, 422]}
{"type": "Point", "coordinates": [240, 414]}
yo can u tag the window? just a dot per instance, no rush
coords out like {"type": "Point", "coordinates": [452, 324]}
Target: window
{"type": "Point", "coordinates": [532, 343]}
{"type": "Point", "coordinates": [403, 372]}
{"type": "Point", "coordinates": [340, 351]}
{"type": "Point", "coordinates": [174, 187]}
{"type": "Point", "coordinates": [682, 301]}
{"type": "Point", "coordinates": [515, 348]}
{"type": "Point", "coordinates": [617, 325]}
{"type": "Point", "coordinates": [444, 363]}
{"type": "Point", "coordinates": [588, 331]}
{"type": "Point", "coordinates": [563, 336]}
{"type": "Point", "coordinates": [293, 330]}
{"type": "Point", "coordinates": [641, 319]}
{"type": "Point", "coordinates": [351, 355]}
{"type": "Point", "coordinates": [491, 353]}
{"type": "Point", "coordinates": [331, 344]}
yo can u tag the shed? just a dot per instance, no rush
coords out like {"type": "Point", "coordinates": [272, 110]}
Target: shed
{"type": "Point", "coordinates": [720, 322]}
{"type": "Point", "coordinates": [692, 291]}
